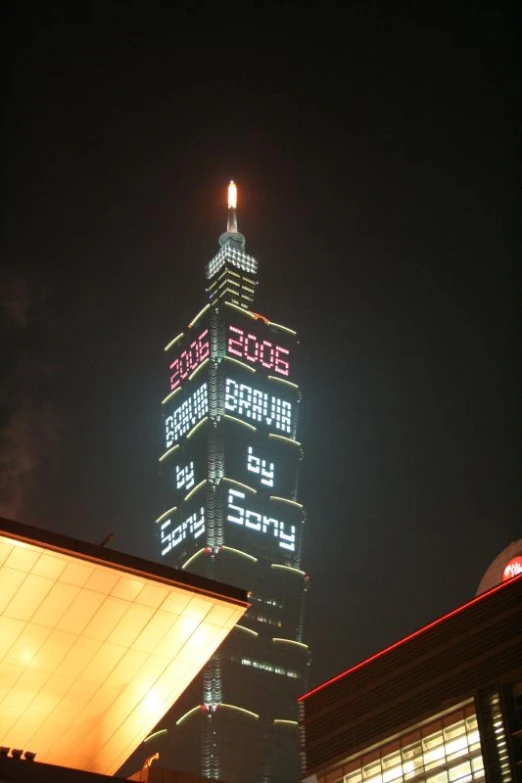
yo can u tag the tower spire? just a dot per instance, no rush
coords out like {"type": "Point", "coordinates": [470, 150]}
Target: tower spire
{"type": "Point", "coordinates": [232, 208]}
{"type": "Point", "coordinates": [232, 234]}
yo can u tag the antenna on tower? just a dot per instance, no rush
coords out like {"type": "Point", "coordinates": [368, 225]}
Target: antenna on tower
{"type": "Point", "coordinates": [232, 235]}
{"type": "Point", "coordinates": [232, 208]}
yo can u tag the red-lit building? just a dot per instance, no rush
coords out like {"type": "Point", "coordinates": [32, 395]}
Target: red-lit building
{"type": "Point", "coordinates": [440, 706]}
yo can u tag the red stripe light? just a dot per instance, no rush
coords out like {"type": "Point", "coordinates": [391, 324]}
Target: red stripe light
{"type": "Point", "coordinates": [413, 635]}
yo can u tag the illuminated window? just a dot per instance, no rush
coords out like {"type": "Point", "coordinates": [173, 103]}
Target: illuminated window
{"type": "Point", "coordinates": [437, 758]}
{"type": "Point", "coordinates": [268, 620]}
{"type": "Point", "coordinates": [462, 772]}
{"type": "Point", "coordinates": [268, 667]}
{"type": "Point", "coordinates": [438, 777]}
{"type": "Point", "coordinates": [457, 747]}
{"type": "Point", "coordinates": [233, 256]}
{"type": "Point", "coordinates": [267, 601]}
{"type": "Point", "coordinates": [373, 772]}
{"type": "Point", "coordinates": [391, 767]}
{"type": "Point", "coordinates": [477, 765]}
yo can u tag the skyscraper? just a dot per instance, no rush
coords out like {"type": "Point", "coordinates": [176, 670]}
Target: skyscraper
{"type": "Point", "coordinates": [231, 468]}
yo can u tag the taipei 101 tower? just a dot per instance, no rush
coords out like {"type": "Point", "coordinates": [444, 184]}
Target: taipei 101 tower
{"type": "Point", "coordinates": [230, 467]}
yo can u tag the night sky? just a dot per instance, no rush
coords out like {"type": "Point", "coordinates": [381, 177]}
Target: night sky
{"type": "Point", "coordinates": [376, 153]}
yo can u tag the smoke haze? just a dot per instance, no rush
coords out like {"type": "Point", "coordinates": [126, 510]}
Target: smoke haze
{"type": "Point", "coordinates": [29, 422]}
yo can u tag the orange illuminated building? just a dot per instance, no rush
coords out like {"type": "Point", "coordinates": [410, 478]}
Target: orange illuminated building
{"type": "Point", "coordinates": [95, 647]}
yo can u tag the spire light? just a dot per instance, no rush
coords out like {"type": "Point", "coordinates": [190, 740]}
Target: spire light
{"type": "Point", "coordinates": [232, 195]}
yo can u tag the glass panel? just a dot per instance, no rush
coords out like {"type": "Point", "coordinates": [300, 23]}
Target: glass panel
{"type": "Point", "coordinates": [477, 764]}
{"type": "Point", "coordinates": [412, 768]}
{"type": "Point", "coordinates": [392, 774]}
{"type": "Point", "coordinates": [391, 761]}
{"type": "Point", "coordinates": [439, 777]}
{"type": "Point", "coordinates": [473, 736]}
{"type": "Point", "coordinates": [462, 772]}
{"type": "Point", "coordinates": [439, 747]}
{"type": "Point", "coordinates": [412, 752]}
{"type": "Point", "coordinates": [372, 770]}
{"type": "Point", "coordinates": [433, 757]}
{"type": "Point", "coordinates": [457, 747]}
{"type": "Point", "coordinates": [455, 730]}
{"type": "Point", "coordinates": [432, 741]}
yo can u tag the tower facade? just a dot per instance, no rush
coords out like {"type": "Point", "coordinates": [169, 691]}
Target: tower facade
{"type": "Point", "coordinates": [231, 471]}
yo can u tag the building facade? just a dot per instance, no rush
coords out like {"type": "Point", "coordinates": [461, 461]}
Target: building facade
{"type": "Point", "coordinates": [231, 465]}
{"type": "Point", "coordinates": [443, 705]}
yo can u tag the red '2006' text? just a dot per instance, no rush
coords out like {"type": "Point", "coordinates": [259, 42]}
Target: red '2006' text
{"type": "Point", "coordinates": [252, 349]}
{"type": "Point", "coordinates": [189, 359]}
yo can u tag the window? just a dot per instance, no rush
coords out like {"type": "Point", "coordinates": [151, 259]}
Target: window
{"type": "Point", "coordinates": [439, 777]}
{"type": "Point", "coordinates": [439, 757]}
{"type": "Point", "coordinates": [462, 772]}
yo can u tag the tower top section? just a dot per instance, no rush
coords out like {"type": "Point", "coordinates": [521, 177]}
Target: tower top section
{"type": "Point", "coordinates": [232, 273]}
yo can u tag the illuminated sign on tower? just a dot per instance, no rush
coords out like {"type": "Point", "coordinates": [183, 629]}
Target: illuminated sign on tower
{"type": "Point", "coordinates": [231, 468]}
